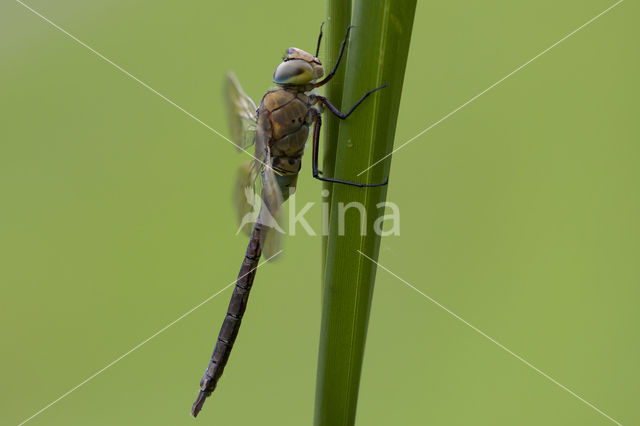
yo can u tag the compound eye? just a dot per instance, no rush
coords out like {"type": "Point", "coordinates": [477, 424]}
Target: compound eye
{"type": "Point", "coordinates": [293, 71]}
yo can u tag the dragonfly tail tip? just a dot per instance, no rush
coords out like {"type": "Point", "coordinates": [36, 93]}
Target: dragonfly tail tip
{"type": "Point", "coordinates": [197, 405]}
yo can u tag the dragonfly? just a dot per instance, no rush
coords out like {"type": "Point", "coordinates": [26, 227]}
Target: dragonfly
{"type": "Point", "coordinates": [279, 128]}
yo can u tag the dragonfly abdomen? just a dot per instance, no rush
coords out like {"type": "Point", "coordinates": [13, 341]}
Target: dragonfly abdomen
{"type": "Point", "coordinates": [232, 321]}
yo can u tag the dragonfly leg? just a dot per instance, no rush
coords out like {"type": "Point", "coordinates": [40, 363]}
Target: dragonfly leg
{"type": "Point", "coordinates": [335, 67]}
{"type": "Point", "coordinates": [314, 160]}
{"type": "Point", "coordinates": [335, 111]}
{"type": "Point", "coordinates": [319, 40]}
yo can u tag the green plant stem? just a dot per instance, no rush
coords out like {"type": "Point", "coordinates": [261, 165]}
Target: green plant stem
{"type": "Point", "coordinates": [377, 54]}
{"type": "Point", "coordinates": [338, 19]}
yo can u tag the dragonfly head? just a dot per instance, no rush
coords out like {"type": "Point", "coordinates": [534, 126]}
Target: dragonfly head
{"type": "Point", "coordinates": [298, 68]}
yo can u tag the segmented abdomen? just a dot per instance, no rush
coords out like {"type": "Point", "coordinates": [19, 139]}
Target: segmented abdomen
{"type": "Point", "coordinates": [231, 323]}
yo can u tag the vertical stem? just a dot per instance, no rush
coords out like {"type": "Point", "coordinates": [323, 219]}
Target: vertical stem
{"type": "Point", "coordinates": [338, 19]}
{"type": "Point", "coordinates": [377, 54]}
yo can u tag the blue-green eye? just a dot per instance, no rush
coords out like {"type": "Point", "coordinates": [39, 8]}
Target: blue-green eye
{"type": "Point", "coordinates": [293, 71]}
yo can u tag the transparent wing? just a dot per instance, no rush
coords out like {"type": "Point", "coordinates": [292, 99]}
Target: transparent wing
{"type": "Point", "coordinates": [245, 199]}
{"type": "Point", "coordinates": [241, 112]}
{"type": "Point", "coordinates": [270, 213]}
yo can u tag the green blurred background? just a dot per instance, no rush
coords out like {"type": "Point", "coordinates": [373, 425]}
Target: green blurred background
{"type": "Point", "coordinates": [519, 213]}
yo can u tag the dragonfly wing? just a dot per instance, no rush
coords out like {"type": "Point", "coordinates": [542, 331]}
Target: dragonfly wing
{"type": "Point", "coordinates": [241, 111]}
{"type": "Point", "coordinates": [244, 197]}
{"type": "Point", "coordinates": [270, 213]}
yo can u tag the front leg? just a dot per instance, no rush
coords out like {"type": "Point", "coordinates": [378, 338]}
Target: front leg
{"type": "Point", "coordinates": [335, 67]}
